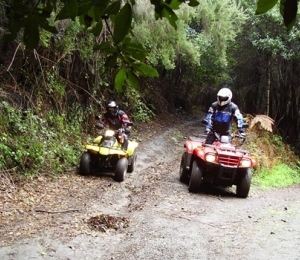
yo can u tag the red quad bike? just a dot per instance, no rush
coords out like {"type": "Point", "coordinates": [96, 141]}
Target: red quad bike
{"type": "Point", "coordinates": [221, 164]}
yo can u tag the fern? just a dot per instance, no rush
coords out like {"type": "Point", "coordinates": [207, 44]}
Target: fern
{"type": "Point", "coordinates": [265, 122]}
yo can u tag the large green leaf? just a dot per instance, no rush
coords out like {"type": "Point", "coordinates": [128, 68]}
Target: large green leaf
{"type": "Point", "coordinates": [168, 13]}
{"type": "Point", "coordinates": [122, 23]}
{"type": "Point", "coordinates": [145, 70]}
{"type": "Point", "coordinates": [136, 50]}
{"type": "Point", "coordinates": [193, 3]}
{"type": "Point", "coordinates": [174, 4]}
{"type": "Point", "coordinates": [84, 7]}
{"type": "Point", "coordinates": [263, 6]}
{"type": "Point", "coordinates": [114, 8]}
{"type": "Point", "coordinates": [43, 23]}
{"type": "Point", "coordinates": [288, 10]}
{"type": "Point", "coordinates": [105, 47]}
{"type": "Point", "coordinates": [133, 79]}
{"type": "Point", "coordinates": [111, 60]}
{"type": "Point", "coordinates": [97, 28]}
{"type": "Point", "coordinates": [69, 10]}
{"type": "Point", "coordinates": [96, 12]}
{"type": "Point", "coordinates": [101, 3]}
{"type": "Point", "coordinates": [31, 35]}
{"type": "Point", "coordinates": [120, 79]}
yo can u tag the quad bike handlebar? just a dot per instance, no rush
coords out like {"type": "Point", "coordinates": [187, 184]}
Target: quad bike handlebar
{"type": "Point", "coordinates": [229, 138]}
{"type": "Point", "coordinates": [118, 131]}
{"type": "Point", "coordinates": [237, 134]}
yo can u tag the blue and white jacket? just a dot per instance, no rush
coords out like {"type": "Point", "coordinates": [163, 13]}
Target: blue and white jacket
{"type": "Point", "coordinates": [220, 118]}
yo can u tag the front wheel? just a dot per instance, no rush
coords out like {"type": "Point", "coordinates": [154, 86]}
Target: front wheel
{"type": "Point", "coordinates": [85, 164]}
{"type": "Point", "coordinates": [196, 177]}
{"type": "Point", "coordinates": [131, 166]}
{"type": "Point", "coordinates": [183, 172]}
{"type": "Point", "coordinates": [121, 169]}
{"type": "Point", "coordinates": [243, 187]}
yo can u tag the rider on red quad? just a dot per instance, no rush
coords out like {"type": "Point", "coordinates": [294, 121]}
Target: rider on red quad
{"type": "Point", "coordinates": [116, 119]}
{"type": "Point", "coordinates": [220, 115]}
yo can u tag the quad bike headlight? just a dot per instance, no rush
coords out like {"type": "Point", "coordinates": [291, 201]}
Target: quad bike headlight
{"type": "Point", "coordinates": [245, 163]}
{"type": "Point", "coordinates": [109, 133]}
{"type": "Point", "coordinates": [210, 157]}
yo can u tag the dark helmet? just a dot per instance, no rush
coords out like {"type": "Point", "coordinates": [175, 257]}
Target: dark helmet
{"type": "Point", "coordinates": [112, 108]}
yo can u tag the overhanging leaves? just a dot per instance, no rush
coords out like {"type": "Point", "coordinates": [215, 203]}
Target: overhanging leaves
{"type": "Point", "coordinates": [168, 13]}
{"type": "Point", "coordinates": [136, 50]}
{"type": "Point", "coordinates": [31, 32]}
{"type": "Point", "coordinates": [84, 7]}
{"type": "Point", "coordinates": [120, 79]}
{"type": "Point", "coordinates": [105, 47]}
{"type": "Point", "coordinates": [193, 3]}
{"type": "Point", "coordinates": [133, 79]}
{"type": "Point", "coordinates": [174, 4]}
{"type": "Point", "coordinates": [265, 5]}
{"type": "Point", "coordinates": [96, 13]}
{"type": "Point", "coordinates": [122, 23]}
{"type": "Point", "coordinates": [111, 60]}
{"type": "Point", "coordinates": [288, 10]}
{"type": "Point", "coordinates": [97, 28]}
{"type": "Point", "coordinates": [69, 10]}
{"type": "Point", "coordinates": [145, 70]}
{"type": "Point", "coordinates": [113, 8]}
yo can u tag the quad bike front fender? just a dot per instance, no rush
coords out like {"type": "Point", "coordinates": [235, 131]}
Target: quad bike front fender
{"type": "Point", "coordinates": [190, 145]}
{"type": "Point", "coordinates": [111, 151]}
{"type": "Point", "coordinates": [94, 149]}
{"type": "Point", "coordinates": [199, 152]}
{"type": "Point", "coordinates": [132, 145]}
{"type": "Point", "coordinates": [97, 140]}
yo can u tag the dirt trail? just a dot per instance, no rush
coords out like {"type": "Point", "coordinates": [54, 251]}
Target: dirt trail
{"type": "Point", "coordinates": [151, 214]}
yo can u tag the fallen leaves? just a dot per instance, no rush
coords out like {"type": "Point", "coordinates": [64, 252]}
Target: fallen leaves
{"type": "Point", "coordinates": [103, 222]}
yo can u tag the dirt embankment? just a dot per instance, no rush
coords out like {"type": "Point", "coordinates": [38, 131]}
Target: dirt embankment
{"type": "Point", "coordinates": [151, 215]}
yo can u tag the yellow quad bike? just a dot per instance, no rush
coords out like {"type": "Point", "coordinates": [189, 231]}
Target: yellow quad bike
{"type": "Point", "coordinates": [107, 152]}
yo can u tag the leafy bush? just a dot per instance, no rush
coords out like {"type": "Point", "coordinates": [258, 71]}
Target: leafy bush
{"type": "Point", "coordinates": [277, 165]}
{"type": "Point", "coordinates": [32, 145]}
{"type": "Point", "coordinates": [281, 175]}
{"type": "Point", "coordinates": [140, 111]}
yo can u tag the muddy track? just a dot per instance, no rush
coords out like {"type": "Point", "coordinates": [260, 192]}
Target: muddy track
{"type": "Point", "coordinates": [151, 215]}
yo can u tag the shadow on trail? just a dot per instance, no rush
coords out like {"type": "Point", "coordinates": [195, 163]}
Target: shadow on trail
{"type": "Point", "coordinates": [219, 191]}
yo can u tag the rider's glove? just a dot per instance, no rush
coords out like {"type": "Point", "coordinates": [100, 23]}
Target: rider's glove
{"type": "Point", "coordinates": [99, 126]}
{"type": "Point", "coordinates": [207, 131]}
{"type": "Point", "coordinates": [127, 131]}
{"type": "Point", "coordinates": [243, 135]}
{"type": "Point", "coordinates": [241, 130]}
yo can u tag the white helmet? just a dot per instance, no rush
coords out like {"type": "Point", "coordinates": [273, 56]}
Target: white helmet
{"type": "Point", "coordinates": [224, 96]}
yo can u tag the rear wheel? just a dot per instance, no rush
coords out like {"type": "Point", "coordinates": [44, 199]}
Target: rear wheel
{"type": "Point", "coordinates": [183, 172]}
{"type": "Point", "coordinates": [131, 166]}
{"type": "Point", "coordinates": [243, 187]}
{"type": "Point", "coordinates": [85, 164]}
{"type": "Point", "coordinates": [121, 169]}
{"type": "Point", "coordinates": [196, 177]}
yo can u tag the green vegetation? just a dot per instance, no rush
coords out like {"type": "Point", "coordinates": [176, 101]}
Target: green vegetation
{"type": "Point", "coordinates": [277, 164]}
{"type": "Point", "coordinates": [281, 175]}
{"type": "Point", "coordinates": [31, 145]}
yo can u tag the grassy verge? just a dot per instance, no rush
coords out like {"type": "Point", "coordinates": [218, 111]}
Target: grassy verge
{"type": "Point", "coordinates": [278, 176]}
